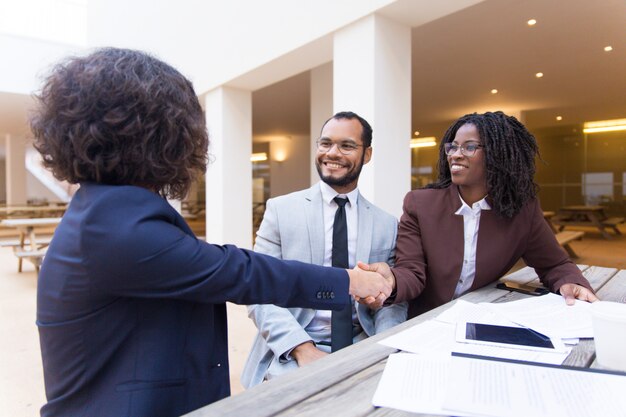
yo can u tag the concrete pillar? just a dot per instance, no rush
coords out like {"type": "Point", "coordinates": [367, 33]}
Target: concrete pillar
{"type": "Point", "coordinates": [229, 174]}
{"type": "Point", "coordinates": [321, 107]}
{"type": "Point", "coordinates": [372, 77]}
{"type": "Point", "coordinates": [15, 170]}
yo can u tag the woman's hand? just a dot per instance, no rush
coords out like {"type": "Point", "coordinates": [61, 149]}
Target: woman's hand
{"type": "Point", "coordinates": [573, 292]}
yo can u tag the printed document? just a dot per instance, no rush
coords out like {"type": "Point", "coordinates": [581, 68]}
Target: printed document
{"type": "Point", "coordinates": [548, 314]}
{"type": "Point", "coordinates": [504, 388]}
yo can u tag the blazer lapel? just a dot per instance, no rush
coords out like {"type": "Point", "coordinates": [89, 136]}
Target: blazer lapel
{"type": "Point", "coordinates": [315, 223]}
{"type": "Point", "coordinates": [364, 230]}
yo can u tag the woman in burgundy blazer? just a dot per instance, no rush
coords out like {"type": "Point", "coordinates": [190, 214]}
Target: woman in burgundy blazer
{"type": "Point", "coordinates": [487, 156]}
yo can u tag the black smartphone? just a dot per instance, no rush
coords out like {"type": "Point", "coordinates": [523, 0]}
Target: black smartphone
{"type": "Point", "coordinates": [523, 288]}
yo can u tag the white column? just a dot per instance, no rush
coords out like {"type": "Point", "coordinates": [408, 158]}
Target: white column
{"type": "Point", "coordinates": [229, 174]}
{"type": "Point", "coordinates": [15, 170]}
{"type": "Point", "coordinates": [321, 107]}
{"type": "Point", "coordinates": [372, 77]}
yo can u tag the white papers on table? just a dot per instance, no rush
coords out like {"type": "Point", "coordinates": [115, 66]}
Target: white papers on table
{"type": "Point", "coordinates": [414, 383]}
{"type": "Point", "coordinates": [439, 336]}
{"type": "Point", "coordinates": [461, 386]}
{"type": "Point", "coordinates": [476, 313]}
{"type": "Point", "coordinates": [548, 314]}
{"type": "Point", "coordinates": [496, 388]}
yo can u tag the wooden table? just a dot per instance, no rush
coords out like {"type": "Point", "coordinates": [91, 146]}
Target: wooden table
{"type": "Point", "coordinates": [593, 216]}
{"type": "Point", "coordinates": [28, 239]}
{"type": "Point", "coordinates": [32, 211]}
{"type": "Point", "coordinates": [343, 384]}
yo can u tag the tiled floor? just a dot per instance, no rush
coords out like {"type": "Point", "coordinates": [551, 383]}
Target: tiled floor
{"type": "Point", "coordinates": [21, 378]}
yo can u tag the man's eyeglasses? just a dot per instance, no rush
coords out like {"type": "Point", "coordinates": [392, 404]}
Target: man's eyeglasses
{"type": "Point", "coordinates": [467, 149]}
{"type": "Point", "coordinates": [345, 147]}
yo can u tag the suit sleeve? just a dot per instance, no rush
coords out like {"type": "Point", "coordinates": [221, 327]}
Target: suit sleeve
{"type": "Point", "coordinates": [392, 315]}
{"type": "Point", "coordinates": [278, 327]}
{"type": "Point", "coordinates": [545, 255]}
{"type": "Point", "coordinates": [410, 265]}
{"type": "Point", "coordinates": [134, 249]}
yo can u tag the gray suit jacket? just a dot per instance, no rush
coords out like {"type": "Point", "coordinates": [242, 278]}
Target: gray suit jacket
{"type": "Point", "coordinates": [293, 228]}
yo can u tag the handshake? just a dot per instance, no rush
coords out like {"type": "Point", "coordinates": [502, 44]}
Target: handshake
{"type": "Point", "coordinates": [371, 284]}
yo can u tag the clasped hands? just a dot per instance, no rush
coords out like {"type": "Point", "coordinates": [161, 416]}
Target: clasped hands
{"type": "Point", "coordinates": [371, 284]}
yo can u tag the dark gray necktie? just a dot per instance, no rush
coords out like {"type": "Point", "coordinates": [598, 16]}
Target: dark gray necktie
{"type": "Point", "coordinates": [341, 321]}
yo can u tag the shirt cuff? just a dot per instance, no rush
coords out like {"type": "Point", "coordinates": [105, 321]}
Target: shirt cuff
{"type": "Point", "coordinates": [286, 356]}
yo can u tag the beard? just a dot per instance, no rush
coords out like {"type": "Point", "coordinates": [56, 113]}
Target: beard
{"type": "Point", "coordinates": [349, 178]}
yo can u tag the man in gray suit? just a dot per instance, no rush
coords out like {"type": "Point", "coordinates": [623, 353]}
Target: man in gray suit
{"type": "Point", "coordinates": [299, 226]}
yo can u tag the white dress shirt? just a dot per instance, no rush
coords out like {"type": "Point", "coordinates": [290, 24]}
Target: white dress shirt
{"type": "Point", "coordinates": [471, 223]}
{"type": "Point", "coordinates": [319, 328]}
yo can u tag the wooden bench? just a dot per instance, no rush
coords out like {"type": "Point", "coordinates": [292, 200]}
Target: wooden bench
{"type": "Point", "coordinates": [613, 222]}
{"type": "Point", "coordinates": [565, 237]}
{"type": "Point", "coordinates": [35, 256]}
{"type": "Point", "coordinates": [40, 241]}
{"type": "Point", "coordinates": [19, 247]}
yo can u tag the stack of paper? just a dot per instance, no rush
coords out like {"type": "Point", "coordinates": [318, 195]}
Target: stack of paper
{"type": "Point", "coordinates": [467, 386]}
{"type": "Point", "coordinates": [549, 315]}
{"type": "Point", "coordinates": [438, 335]}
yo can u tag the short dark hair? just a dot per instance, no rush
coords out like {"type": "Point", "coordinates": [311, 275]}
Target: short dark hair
{"type": "Point", "coordinates": [119, 116]}
{"type": "Point", "coordinates": [510, 151]}
{"type": "Point", "coordinates": [366, 135]}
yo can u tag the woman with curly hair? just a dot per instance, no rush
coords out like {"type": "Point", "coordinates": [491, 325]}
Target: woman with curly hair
{"type": "Point", "coordinates": [130, 305]}
{"type": "Point", "coordinates": [478, 219]}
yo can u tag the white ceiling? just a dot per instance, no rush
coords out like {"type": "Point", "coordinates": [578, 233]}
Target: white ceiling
{"type": "Point", "coordinates": [459, 58]}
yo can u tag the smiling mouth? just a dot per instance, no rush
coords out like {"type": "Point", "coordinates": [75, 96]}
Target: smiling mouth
{"type": "Point", "coordinates": [457, 168]}
{"type": "Point", "coordinates": [333, 165]}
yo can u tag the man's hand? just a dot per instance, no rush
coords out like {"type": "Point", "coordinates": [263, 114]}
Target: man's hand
{"type": "Point", "coordinates": [383, 269]}
{"type": "Point", "coordinates": [307, 353]}
{"type": "Point", "coordinates": [365, 284]}
{"type": "Point", "coordinates": [573, 292]}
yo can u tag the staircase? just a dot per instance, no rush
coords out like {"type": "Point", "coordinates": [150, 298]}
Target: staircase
{"type": "Point", "coordinates": [61, 189]}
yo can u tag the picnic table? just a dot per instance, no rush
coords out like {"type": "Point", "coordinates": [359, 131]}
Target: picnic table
{"type": "Point", "coordinates": [28, 245]}
{"type": "Point", "coordinates": [343, 383]}
{"type": "Point", "coordinates": [593, 216]}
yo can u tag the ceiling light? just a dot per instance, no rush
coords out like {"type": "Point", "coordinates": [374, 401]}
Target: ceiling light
{"type": "Point", "coordinates": [608, 48]}
{"type": "Point", "coordinates": [539, 74]}
{"type": "Point", "coordinates": [258, 157]}
{"type": "Point", "coordinates": [604, 126]}
{"type": "Point", "coordinates": [424, 142]}
{"type": "Point", "coordinates": [494, 91]}
{"type": "Point", "coordinates": [559, 118]}
{"type": "Point", "coordinates": [416, 133]}
{"type": "Point", "coordinates": [532, 22]}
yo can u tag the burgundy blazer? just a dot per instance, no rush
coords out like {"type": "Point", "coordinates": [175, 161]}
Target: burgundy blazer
{"type": "Point", "coordinates": [429, 252]}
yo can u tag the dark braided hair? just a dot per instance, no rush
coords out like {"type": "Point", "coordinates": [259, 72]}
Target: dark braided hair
{"type": "Point", "coordinates": [510, 151]}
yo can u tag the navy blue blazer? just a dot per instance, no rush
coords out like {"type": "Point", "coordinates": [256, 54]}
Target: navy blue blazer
{"type": "Point", "coordinates": [130, 306]}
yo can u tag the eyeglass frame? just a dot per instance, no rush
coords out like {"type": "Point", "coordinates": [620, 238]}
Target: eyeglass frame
{"type": "Point", "coordinates": [448, 146]}
{"type": "Point", "coordinates": [338, 144]}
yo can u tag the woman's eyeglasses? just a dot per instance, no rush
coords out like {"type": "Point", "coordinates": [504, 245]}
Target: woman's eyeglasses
{"type": "Point", "coordinates": [467, 149]}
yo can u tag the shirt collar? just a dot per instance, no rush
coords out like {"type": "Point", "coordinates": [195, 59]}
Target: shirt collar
{"type": "Point", "coordinates": [481, 204]}
{"type": "Point", "coordinates": [328, 194]}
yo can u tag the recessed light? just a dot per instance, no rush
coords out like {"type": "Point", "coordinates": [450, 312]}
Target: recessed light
{"type": "Point", "coordinates": [559, 118]}
{"type": "Point", "coordinates": [494, 91]}
{"type": "Point", "coordinates": [417, 133]}
{"type": "Point", "coordinates": [539, 74]}
{"type": "Point", "coordinates": [608, 48]}
{"type": "Point", "coordinates": [532, 22]}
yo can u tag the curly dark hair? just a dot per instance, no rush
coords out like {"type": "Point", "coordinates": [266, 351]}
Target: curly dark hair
{"type": "Point", "coordinates": [119, 116]}
{"type": "Point", "coordinates": [510, 151]}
